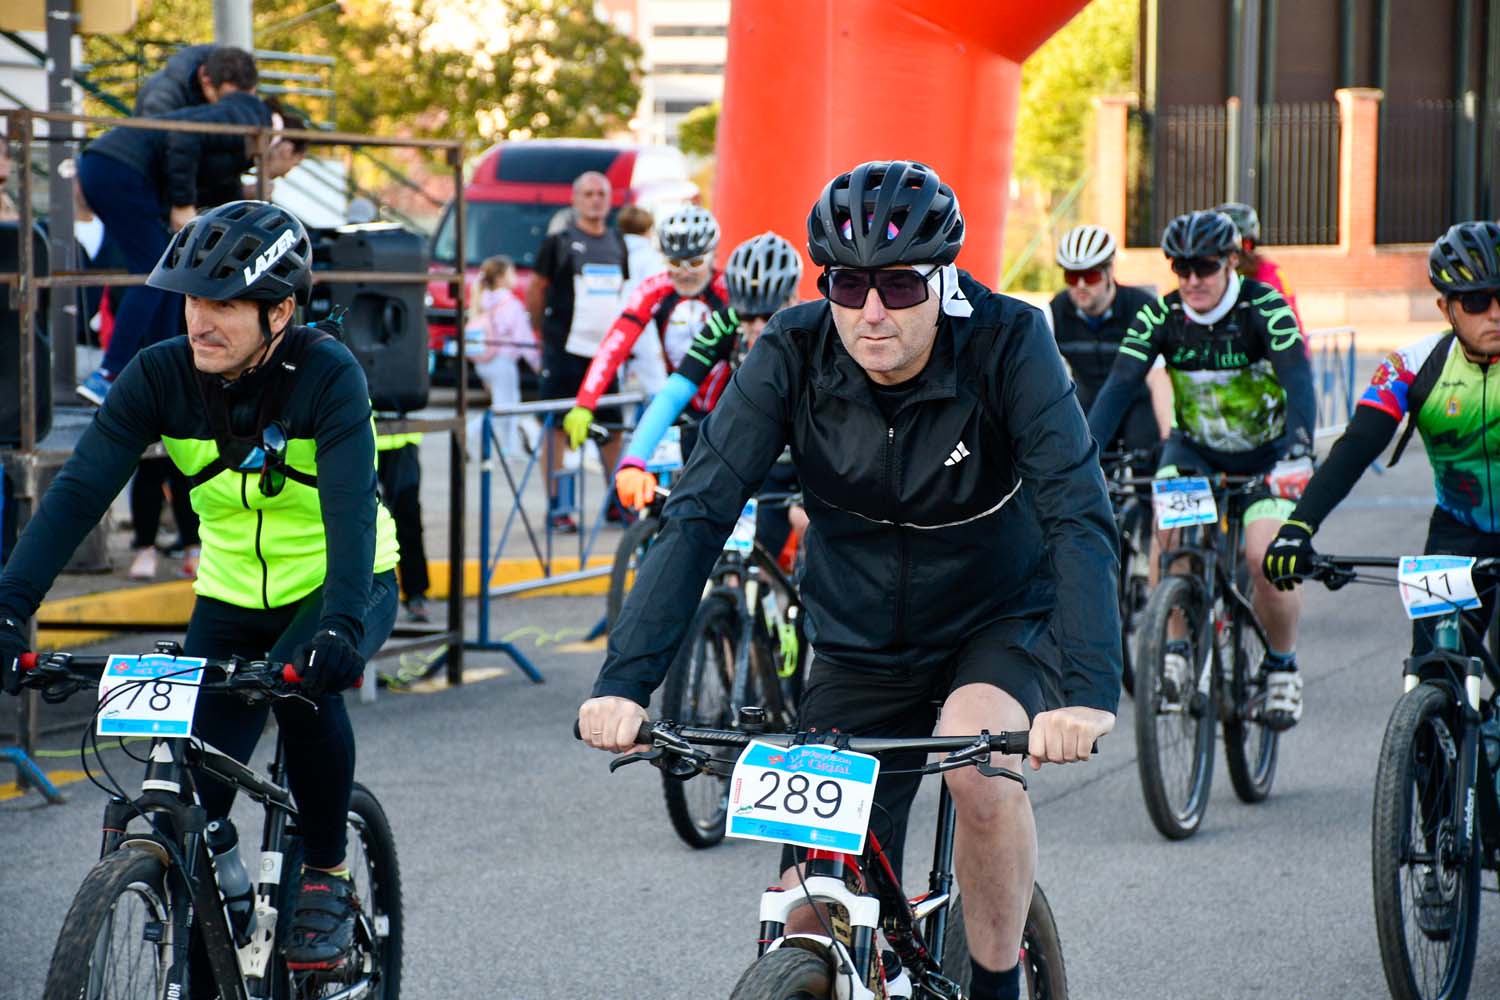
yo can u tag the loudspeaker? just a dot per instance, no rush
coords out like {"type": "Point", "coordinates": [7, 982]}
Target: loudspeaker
{"type": "Point", "coordinates": [385, 326]}
{"type": "Point", "coordinates": [10, 341]}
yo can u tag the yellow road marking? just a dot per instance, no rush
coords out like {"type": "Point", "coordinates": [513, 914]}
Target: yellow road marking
{"type": "Point", "coordinates": [62, 776]}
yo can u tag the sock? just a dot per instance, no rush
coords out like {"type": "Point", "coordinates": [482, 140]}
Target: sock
{"type": "Point", "coordinates": [988, 985]}
{"type": "Point", "coordinates": [343, 873]}
{"type": "Point", "coordinates": [1281, 662]}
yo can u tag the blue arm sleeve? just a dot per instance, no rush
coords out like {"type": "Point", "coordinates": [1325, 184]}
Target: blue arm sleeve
{"type": "Point", "coordinates": [665, 408]}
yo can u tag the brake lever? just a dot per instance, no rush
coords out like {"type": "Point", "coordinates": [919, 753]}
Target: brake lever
{"type": "Point", "coordinates": [651, 756]}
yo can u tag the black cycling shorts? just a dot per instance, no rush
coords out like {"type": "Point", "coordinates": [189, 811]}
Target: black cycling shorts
{"type": "Point", "coordinates": [1017, 655]}
{"type": "Point", "coordinates": [1446, 535]}
{"type": "Point", "coordinates": [562, 376]}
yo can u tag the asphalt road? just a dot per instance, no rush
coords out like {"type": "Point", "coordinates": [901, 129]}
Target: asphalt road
{"type": "Point", "coordinates": [532, 873]}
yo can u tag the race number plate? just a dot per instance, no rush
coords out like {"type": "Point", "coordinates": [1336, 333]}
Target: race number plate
{"type": "Point", "coordinates": [807, 796]}
{"type": "Point", "coordinates": [1184, 501]}
{"type": "Point", "coordinates": [152, 695]}
{"type": "Point", "coordinates": [742, 538]}
{"type": "Point", "coordinates": [668, 454]}
{"type": "Point", "coordinates": [1436, 585]}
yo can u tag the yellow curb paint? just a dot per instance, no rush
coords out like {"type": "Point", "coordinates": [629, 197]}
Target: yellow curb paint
{"type": "Point", "coordinates": [440, 683]}
{"type": "Point", "coordinates": [172, 602]}
{"type": "Point", "coordinates": [10, 790]}
{"type": "Point", "coordinates": [591, 646]}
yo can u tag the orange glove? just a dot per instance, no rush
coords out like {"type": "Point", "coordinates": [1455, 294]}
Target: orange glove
{"type": "Point", "coordinates": [635, 487]}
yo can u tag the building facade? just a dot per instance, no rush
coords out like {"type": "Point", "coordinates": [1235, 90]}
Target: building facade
{"type": "Point", "coordinates": [685, 43]}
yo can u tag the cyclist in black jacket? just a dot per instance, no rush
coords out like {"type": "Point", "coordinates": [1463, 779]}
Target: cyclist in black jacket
{"type": "Point", "coordinates": [1091, 316]}
{"type": "Point", "coordinates": [960, 547]}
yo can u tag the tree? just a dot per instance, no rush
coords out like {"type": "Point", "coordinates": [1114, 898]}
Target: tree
{"type": "Point", "coordinates": [699, 130]}
{"type": "Point", "coordinates": [455, 69]}
{"type": "Point", "coordinates": [1093, 54]}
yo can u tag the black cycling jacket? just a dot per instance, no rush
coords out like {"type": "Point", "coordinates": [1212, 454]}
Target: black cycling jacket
{"type": "Point", "coordinates": [982, 500]}
{"type": "Point", "coordinates": [1089, 344]}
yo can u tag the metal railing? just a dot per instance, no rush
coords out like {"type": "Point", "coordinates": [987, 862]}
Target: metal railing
{"type": "Point", "coordinates": [1335, 377]}
{"type": "Point", "coordinates": [1181, 158]}
{"type": "Point", "coordinates": [1414, 181]}
{"type": "Point", "coordinates": [25, 288]}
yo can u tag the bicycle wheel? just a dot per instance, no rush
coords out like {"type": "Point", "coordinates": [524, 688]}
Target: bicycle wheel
{"type": "Point", "coordinates": [785, 974]}
{"type": "Point", "coordinates": [104, 950]}
{"type": "Point", "coordinates": [633, 545]}
{"type": "Point", "coordinates": [1426, 898]}
{"type": "Point", "coordinates": [1041, 951]}
{"type": "Point", "coordinates": [697, 693]}
{"type": "Point", "coordinates": [1174, 716]}
{"type": "Point", "coordinates": [1250, 746]}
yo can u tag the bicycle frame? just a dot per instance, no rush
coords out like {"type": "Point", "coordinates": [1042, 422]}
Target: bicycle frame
{"type": "Point", "coordinates": [750, 591]}
{"type": "Point", "coordinates": [169, 803]}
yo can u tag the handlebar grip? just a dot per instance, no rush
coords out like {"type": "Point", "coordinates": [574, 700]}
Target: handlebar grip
{"type": "Point", "coordinates": [28, 661]}
{"type": "Point", "coordinates": [642, 735]}
{"type": "Point", "coordinates": [289, 675]}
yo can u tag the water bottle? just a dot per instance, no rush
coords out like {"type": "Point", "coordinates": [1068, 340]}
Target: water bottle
{"type": "Point", "coordinates": [234, 881]}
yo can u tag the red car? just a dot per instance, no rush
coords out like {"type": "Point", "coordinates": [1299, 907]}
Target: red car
{"type": "Point", "coordinates": [519, 191]}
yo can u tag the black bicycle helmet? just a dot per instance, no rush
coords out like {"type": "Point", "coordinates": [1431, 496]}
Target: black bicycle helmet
{"type": "Point", "coordinates": [1245, 218]}
{"type": "Point", "coordinates": [1466, 258]}
{"type": "Point", "coordinates": [243, 250]}
{"type": "Point", "coordinates": [883, 213]}
{"type": "Point", "coordinates": [762, 274]}
{"type": "Point", "coordinates": [688, 232]}
{"type": "Point", "coordinates": [1200, 234]}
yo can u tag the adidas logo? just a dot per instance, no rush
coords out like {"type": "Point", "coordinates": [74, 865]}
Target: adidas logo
{"type": "Point", "coordinates": [959, 454]}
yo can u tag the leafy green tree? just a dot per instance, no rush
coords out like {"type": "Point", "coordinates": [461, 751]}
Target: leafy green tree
{"type": "Point", "coordinates": [1093, 54]}
{"type": "Point", "coordinates": [699, 130]}
{"type": "Point", "coordinates": [454, 69]}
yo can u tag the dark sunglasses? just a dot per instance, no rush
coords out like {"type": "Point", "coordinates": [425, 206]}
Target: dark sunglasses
{"type": "Point", "coordinates": [898, 289]}
{"type": "Point", "coordinates": [273, 469]}
{"type": "Point", "coordinates": [1477, 303]}
{"type": "Point", "coordinates": [752, 317]}
{"type": "Point", "coordinates": [1090, 277]}
{"type": "Point", "coordinates": [1201, 266]}
{"type": "Point", "coordinates": [686, 263]}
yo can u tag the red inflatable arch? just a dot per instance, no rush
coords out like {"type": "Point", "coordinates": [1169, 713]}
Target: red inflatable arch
{"type": "Point", "coordinates": [813, 87]}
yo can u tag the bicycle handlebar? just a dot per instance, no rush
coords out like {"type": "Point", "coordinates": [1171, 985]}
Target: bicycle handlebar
{"type": "Point", "coordinates": [1335, 571]}
{"type": "Point", "coordinates": [41, 668]}
{"type": "Point", "coordinates": [1005, 743]}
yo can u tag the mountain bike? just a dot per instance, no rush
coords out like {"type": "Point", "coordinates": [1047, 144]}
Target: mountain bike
{"type": "Point", "coordinates": [1133, 524]}
{"type": "Point", "coordinates": [176, 875]}
{"type": "Point", "coordinates": [1199, 659]}
{"type": "Point", "coordinates": [745, 647]}
{"type": "Point", "coordinates": [854, 891]}
{"type": "Point", "coordinates": [1436, 821]}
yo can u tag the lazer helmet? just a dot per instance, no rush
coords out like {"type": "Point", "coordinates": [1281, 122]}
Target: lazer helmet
{"type": "Point", "coordinates": [1200, 234]}
{"type": "Point", "coordinates": [883, 213]}
{"type": "Point", "coordinates": [762, 274]}
{"type": "Point", "coordinates": [689, 232]}
{"type": "Point", "coordinates": [1084, 248]}
{"type": "Point", "coordinates": [1245, 219]}
{"type": "Point", "coordinates": [243, 250]}
{"type": "Point", "coordinates": [1466, 258]}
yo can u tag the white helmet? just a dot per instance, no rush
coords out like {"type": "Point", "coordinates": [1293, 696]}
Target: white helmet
{"type": "Point", "coordinates": [1084, 248]}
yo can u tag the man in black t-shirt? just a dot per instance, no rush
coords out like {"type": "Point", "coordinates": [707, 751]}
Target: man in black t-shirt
{"type": "Point", "coordinates": [573, 298]}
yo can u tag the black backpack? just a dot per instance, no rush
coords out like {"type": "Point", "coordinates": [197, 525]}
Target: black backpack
{"type": "Point", "coordinates": [1421, 388]}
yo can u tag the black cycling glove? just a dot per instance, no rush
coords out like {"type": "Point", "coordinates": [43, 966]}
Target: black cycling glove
{"type": "Point", "coordinates": [13, 643]}
{"type": "Point", "coordinates": [1290, 556]}
{"type": "Point", "coordinates": [329, 663]}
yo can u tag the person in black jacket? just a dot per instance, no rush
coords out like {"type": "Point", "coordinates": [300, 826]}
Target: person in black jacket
{"type": "Point", "coordinates": [960, 543]}
{"type": "Point", "coordinates": [145, 184]}
{"type": "Point", "coordinates": [197, 74]}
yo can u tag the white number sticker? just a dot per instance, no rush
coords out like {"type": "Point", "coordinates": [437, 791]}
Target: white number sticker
{"type": "Point", "coordinates": [1436, 585]}
{"type": "Point", "coordinates": [152, 695]}
{"type": "Point", "coordinates": [668, 454]}
{"type": "Point", "coordinates": [742, 538]}
{"type": "Point", "coordinates": [808, 796]}
{"type": "Point", "coordinates": [1184, 501]}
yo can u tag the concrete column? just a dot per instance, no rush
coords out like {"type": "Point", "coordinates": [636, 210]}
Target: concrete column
{"type": "Point", "coordinates": [1359, 158]}
{"type": "Point", "coordinates": [1109, 183]}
